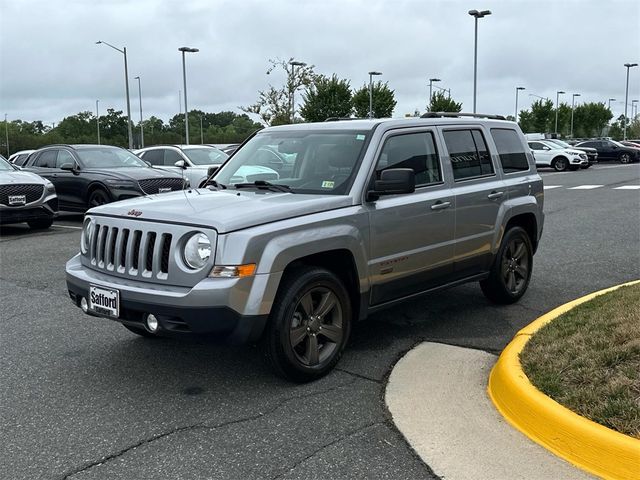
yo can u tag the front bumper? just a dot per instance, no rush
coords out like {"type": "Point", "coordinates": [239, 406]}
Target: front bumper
{"type": "Point", "coordinates": [42, 210]}
{"type": "Point", "coordinates": [205, 309]}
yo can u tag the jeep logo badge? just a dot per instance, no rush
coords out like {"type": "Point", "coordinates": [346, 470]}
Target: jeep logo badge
{"type": "Point", "coordinates": [134, 213]}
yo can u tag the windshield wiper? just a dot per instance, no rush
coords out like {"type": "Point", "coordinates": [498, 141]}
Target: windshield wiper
{"type": "Point", "coordinates": [265, 185]}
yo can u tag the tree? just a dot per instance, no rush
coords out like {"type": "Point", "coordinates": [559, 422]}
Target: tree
{"type": "Point", "coordinates": [326, 97]}
{"type": "Point", "coordinates": [274, 105]}
{"type": "Point", "coordinates": [383, 101]}
{"type": "Point", "coordinates": [442, 103]}
{"type": "Point", "coordinates": [540, 119]}
{"type": "Point", "coordinates": [590, 119]}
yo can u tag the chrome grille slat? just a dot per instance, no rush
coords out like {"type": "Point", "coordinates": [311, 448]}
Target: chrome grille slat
{"type": "Point", "coordinates": [142, 255]}
{"type": "Point", "coordinates": [108, 259]}
{"type": "Point", "coordinates": [100, 248]}
{"type": "Point", "coordinates": [121, 249]}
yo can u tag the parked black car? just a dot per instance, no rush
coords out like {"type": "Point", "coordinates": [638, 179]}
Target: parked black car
{"type": "Point", "coordinates": [592, 153]}
{"type": "Point", "coordinates": [86, 176]}
{"type": "Point", "coordinates": [612, 150]}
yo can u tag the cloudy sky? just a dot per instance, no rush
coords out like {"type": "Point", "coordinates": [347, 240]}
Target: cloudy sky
{"type": "Point", "coordinates": [51, 67]}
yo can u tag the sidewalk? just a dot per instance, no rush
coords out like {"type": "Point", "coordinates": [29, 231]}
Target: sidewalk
{"type": "Point", "coordinates": [437, 396]}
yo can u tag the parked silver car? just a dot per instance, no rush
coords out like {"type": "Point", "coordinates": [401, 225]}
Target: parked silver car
{"type": "Point", "coordinates": [373, 212]}
{"type": "Point", "coordinates": [195, 162]}
{"type": "Point", "coordinates": [26, 197]}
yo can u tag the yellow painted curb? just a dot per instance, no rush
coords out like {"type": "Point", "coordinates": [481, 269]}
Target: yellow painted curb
{"type": "Point", "coordinates": [586, 444]}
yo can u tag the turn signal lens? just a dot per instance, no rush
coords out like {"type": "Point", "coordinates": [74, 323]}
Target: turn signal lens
{"type": "Point", "coordinates": [233, 270]}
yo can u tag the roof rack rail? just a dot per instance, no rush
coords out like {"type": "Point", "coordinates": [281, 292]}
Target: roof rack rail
{"type": "Point", "coordinates": [460, 114]}
{"type": "Point", "coordinates": [338, 119]}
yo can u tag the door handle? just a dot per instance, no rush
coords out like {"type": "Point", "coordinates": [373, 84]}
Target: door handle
{"type": "Point", "coordinates": [440, 205]}
{"type": "Point", "coordinates": [494, 195]}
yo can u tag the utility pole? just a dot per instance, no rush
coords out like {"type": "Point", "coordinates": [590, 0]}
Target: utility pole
{"type": "Point", "coordinates": [98, 120]}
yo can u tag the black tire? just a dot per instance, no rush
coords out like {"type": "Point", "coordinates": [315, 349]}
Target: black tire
{"type": "Point", "coordinates": [560, 164]}
{"type": "Point", "coordinates": [139, 331]}
{"type": "Point", "coordinates": [40, 224]}
{"type": "Point", "coordinates": [98, 197]}
{"type": "Point", "coordinates": [311, 302]}
{"type": "Point", "coordinates": [511, 271]}
{"type": "Point", "coordinates": [624, 158]}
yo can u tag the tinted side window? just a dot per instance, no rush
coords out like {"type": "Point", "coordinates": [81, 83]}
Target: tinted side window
{"type": "Point", "coordinates": [171, 157]}
{"type": "Point", "coordinates": [46, 159]}
{"type": "Point", "coordinates": [468, 153]}
{"type": "Point", "coordinates": [512, 155]}
{"type": "Point", "coordinates": [535, 146]}
{"type": "Point", "coordinates": [20, 160]}
{"type": "Point", "coordinates": [154, 157]}
{"type": "Point", "coordinates": [64, 157]}
{"type": "Point", "coordinates": [414, 150]}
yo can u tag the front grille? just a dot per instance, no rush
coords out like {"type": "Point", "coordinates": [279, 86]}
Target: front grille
{"type": "Point", "coordinates": [32, 192]}
{"type": "Point", "coordinates": [153, 185]}
{"type": "Point", "coordinates": [130, 252]}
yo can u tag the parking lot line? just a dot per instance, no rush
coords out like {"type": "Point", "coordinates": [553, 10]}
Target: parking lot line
{"type": "Point", "coordinates": [585, 187]}
{"type": "Point", "coordinates": [627, 187]}
{"type": "Point", "coordinates": [550, 187]}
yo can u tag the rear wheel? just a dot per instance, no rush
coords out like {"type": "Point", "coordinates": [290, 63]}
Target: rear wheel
{"type": "Point", "coordinates": [511, 270]}
{"type": "Point", "coordinates": [309, 325]}
{"type": "Point", "coordinates": [624, 158]}
{"type": "Point", "coordinates": [40, 224]}
{"type": "Point", "coordinates": [98, 197]}
{"type": "Point", "coordinates": [560, 164]}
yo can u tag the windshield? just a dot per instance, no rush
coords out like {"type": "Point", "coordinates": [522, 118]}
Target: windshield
{"type": "Point", "coordinates": [205, 156]}
{"type": "Point", "coordinates": [562, 144]}
{"type": "Point", "coordinates": [553, 146]}
{"type": "Point", "coordinates": [4, 165]}
{"type": "Point", "coordinates": [108, 158]}
{"type": "Point", "coordinates": [320, 161]}
{"type": "Point", "coordinates": [618, 144]}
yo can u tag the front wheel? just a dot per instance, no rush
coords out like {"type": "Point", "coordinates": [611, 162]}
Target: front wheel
{"type": "Point", "coordinates": [98, 197]}
{"type": "Point", "coordinates": [309, 325]}
{"type": "Point", "coordinates": [560, 164]}
{"type": "Point", "coordinates": [625, 158]}
{"type": "Point", "coordinates": [511, 271]}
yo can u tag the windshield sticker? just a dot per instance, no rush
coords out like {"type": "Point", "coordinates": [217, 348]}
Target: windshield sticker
{"type": "Point", "coordinates": [360, 137]}
{"type": "Point", "coordinates": [328, 184]}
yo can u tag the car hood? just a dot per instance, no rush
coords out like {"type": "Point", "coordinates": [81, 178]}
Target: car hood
{"type": "Point", "coordinates": [223, 210]}
{"type": "Point", "coordinates": [586, 149]}
{"type": "Point", "coordinates": [131, 173]}
{"type": "Point", "coordinates": [15, 177]}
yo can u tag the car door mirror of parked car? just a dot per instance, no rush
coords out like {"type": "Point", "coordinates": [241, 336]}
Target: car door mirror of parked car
{"type": "Point", "coordinates": [70, 167]}
{"type": "Point", "coordinates": [393, 181]}
{"type": "Point", "coordinates": [181, 164]}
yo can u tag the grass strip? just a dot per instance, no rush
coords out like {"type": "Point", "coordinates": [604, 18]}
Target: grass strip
{"type": "Point", "coordinates": [588, 360]}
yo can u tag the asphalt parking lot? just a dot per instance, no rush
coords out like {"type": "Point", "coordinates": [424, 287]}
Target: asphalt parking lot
{"type": "Point", "coordinates": [83, 398]}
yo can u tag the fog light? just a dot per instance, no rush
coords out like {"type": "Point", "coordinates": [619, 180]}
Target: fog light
{"type": "Point", "coordinates": [152, 323]}
{"type": "Point", "coordinates": [84, 305]}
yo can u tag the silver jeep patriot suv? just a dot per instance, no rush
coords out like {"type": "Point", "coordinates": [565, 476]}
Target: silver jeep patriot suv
{"type": "Point", "coordinates": [350, 217]}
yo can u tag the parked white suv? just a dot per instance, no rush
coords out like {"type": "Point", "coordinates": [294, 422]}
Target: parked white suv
{"type": "Point", "coordinates": [195, 162]}
{"type": "Point", "coordinates": [550, 154]}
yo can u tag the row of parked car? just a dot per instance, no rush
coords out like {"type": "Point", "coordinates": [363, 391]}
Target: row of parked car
{"type": "Point", "coordinates": [561, 156]}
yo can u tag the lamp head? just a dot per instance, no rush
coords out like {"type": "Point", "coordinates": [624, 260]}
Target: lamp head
{"type": "Point", "coordinates": [375, 73]}
{"type": "Point", "coordinates": [520, 88]}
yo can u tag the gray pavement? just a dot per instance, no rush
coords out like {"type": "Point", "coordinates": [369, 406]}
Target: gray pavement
{"type": "Point", "coordinates": [83, 398]}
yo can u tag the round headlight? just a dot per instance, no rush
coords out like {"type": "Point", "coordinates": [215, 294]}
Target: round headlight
{"type": "Point", "coordinates": [87, 230]}
{"type": "Point", "coordinates": [197, 251]}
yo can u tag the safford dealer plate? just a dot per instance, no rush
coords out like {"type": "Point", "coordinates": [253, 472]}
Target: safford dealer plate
{"type": "Point", "coordinates": [17, 199]}
{"type": "Point", "coordinates": [104, 301]}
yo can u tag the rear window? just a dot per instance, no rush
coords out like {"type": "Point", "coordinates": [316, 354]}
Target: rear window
{"type": "Point", "coordinates": [510, 149]}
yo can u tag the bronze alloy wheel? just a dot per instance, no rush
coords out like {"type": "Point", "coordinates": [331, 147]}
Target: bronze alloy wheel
{"type": "Point", "coordinates": [515, 265]}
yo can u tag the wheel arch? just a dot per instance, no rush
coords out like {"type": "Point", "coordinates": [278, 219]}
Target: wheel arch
{"type": "Point", "coordinates": [529, 223]}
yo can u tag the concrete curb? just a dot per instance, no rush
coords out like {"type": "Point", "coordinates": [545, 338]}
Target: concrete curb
{"type": "Point", "coordinates": [586, 444]}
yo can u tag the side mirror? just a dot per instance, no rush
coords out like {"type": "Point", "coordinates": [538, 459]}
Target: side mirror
{"type": "Point", "coordinates": [181, 164]}
{"type": "Point", "coordinates": [393, 181]}
{"type": "Point", "coordinates": [69, 167]}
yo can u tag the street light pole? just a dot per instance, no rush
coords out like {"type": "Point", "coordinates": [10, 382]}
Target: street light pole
{"type": "Point", "coordinates": [431, 80]}
{"type": "Point", "coordinates": [6, 132]}
{"type": "Point", "coordinates": [371, 74]}
{"type": "Point", "coordinates": [611, 100]}
{"type": "Point", "coordinates": [98, 120]}
{"type": "Point", "coordinates": [626, 99]}
{"type": "Point", "coordinates": [294, 64]}
{"type": "Point", "coordinates": [141, 127]}
{"type": "Point", "coordinates": [476, 14]}
{"type": "Point", "coordinates": [573, 98]}
{"type": "Point", "coordinates": [184, 80]}
{"type": "Point", "coordinates": [557, 99]}
{"type": "Point", "coordinates": [123, 51]}
{"type": "Point", "coordinates": [517, 92]}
